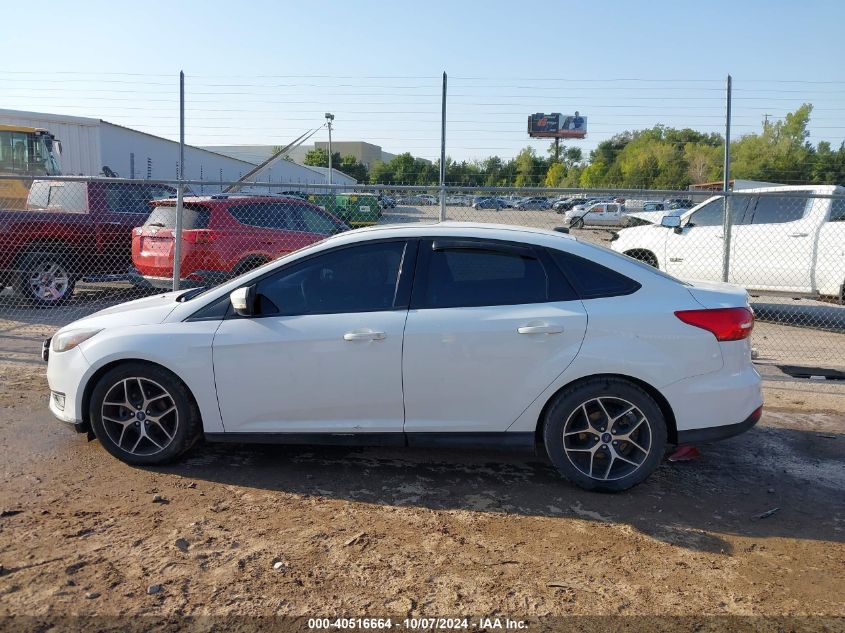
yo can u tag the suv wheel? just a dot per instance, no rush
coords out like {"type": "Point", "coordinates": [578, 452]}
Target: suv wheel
{"type": "Point", "coordinates": [45, 279]}
{"type": "Point", "coordinates": [605, 434]}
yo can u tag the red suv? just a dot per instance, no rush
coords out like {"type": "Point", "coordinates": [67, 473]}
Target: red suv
{"type": "Point", "coordinates": [224, 236]}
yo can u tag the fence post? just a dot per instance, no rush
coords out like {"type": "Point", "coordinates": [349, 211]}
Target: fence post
{"type": "Point", "coordinates": [726, 223]}
{"type": "Point", "coordinates": [180, 188]}
{"type": "Point", "coordinates": [443, 154]}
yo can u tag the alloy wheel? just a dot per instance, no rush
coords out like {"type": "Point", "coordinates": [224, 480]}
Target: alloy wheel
{"type": "Point", "coordinates": [49, 281]}
{"type": "Point", "coordinates": [607, 438]}
{"type": "Point", "coordinates": [139, 416]}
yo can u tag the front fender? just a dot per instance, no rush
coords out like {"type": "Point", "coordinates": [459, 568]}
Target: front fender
{"type": "Point", "coordinates": [188, 356]}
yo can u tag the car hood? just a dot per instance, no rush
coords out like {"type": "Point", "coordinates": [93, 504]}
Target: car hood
{"type": "Point", "coordinates": [715, 294]}
{"type": "Point", "coordinates": [146, 311]}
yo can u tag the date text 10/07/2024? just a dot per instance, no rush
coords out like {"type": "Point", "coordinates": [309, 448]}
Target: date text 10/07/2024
{"type": "Point", "coordinates": [477, 624]}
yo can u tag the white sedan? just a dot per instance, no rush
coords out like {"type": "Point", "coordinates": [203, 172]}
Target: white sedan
{"type": "Point", "coordinates": [422, 335]}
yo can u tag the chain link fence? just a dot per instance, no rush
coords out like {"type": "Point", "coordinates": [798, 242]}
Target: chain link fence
{"type": "Point", "coordinates": [79, 245]}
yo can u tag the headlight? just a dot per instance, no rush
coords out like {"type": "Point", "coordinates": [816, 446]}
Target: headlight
{"type": "Point", "coordinates": [64, 341]}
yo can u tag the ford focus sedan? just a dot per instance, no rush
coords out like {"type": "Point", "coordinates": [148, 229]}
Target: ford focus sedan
{"type": "Point", "coordinates": [429, 335]}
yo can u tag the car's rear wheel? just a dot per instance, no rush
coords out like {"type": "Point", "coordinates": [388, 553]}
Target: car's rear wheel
{"type": "Point", "coordinates": [45, 278]}
{"type": "Point", "coordinates": [605, 434]}
{"type": "Point", "coordinates": [248, 264]}
{"type": "Point", "coordinates": [143, 414]}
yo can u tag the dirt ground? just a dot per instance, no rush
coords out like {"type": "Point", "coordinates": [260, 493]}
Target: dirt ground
{"type": "Point", "coordinates": [753, 527]}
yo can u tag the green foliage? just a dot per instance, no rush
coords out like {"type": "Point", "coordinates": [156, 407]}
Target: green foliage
{"type": "Point", "coordinates": [658, 157]}
{"type": "Point", "coordinates": [348, 165]}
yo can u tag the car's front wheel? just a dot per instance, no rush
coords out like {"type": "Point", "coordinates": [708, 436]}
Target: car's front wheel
{"type": "Point", "coordinates": [143, 414]}
{"type": "Point", "coordinates": [605, 434]}
{"type": "Point", "coordinates": [577, 223]}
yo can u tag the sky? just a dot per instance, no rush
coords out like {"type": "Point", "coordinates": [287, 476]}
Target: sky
{"type": "Point", "coordinates": [266, 72]}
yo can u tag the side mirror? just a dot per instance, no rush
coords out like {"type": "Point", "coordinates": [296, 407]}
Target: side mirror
{"type": "Point", "coordinates": [243, 301]}
{"type": "Point", "coordinates": [671, 222]}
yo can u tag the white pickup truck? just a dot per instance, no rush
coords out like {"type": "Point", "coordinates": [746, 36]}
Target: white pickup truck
{"type": "Point", "coordinates": [792, 244]}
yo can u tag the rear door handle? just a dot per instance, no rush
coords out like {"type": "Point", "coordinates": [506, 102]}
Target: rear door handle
{"type": "Point", "coordinates": [798, 234]}
{"type": "Point", "coordinates": [363, 336]}
{"type": "Point", "coordinates": [540, 329]}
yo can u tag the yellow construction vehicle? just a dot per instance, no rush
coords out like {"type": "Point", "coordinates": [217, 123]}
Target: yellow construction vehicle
{"type": "Point", "coordinates": [25, 151]}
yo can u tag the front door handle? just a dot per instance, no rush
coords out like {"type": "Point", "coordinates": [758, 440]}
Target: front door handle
{"type": "Point", "coordinates": [540, 329]}
{"type": "Point", "coordinates": [363, 336]}
{"type": "Point", "coordinates": [798, 234]}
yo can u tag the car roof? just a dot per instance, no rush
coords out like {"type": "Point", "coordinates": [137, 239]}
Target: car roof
{"type": "Point", "coordinates": [233, 197]}
{"type": "Point", "coordinates": [490, 231]}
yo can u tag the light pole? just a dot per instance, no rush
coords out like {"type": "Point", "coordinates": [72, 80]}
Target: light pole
{"type": "Point", "coordinates": [329, 119]}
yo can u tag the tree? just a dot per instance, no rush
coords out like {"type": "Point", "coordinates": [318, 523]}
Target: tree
{"type": "Point", "coordinates": [349, 165]}
{"type": "Point", "coordinates": [555, 175]}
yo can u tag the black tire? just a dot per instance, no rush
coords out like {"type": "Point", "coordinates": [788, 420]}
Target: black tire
{"type": "Point", "coordinates": [58, 282]}
{"type": "Point", "coordinates": [572, 455]}
{"type": "Point", "coordinates": [577, 223]}
{"type": "Point", "coordinates": [184, 433]}
{"type": "Point", "coordinates": [248, 264]}
{"type": "Point", "coordinates": [646, 257]}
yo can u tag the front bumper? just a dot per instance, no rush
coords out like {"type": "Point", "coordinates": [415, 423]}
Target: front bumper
{"type": "Point", "coordinates": [64, 370]}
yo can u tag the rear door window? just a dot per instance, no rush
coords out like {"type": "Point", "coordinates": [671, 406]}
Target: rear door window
{"type": "Point", "coordinates": [483, 274]}
{"type": "Point", "coordinates": [266, 215]}
{"type": "Point", "coordinates": [778, 209]}
{"type": "Point", "coordinates": [837, 210]}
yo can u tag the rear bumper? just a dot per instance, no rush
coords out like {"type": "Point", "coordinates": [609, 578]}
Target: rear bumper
{"type": "Point", "coordinates": [716, 433]}
{"type": "Point", "coordinates": [197, 278]}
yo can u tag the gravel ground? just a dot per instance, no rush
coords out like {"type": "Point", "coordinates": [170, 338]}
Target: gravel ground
{"type": "Point", "coordinates": [250, 530]}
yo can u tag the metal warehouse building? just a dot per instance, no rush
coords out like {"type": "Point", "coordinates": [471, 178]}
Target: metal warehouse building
{"type": "Point", "coordinates": [89, 145]}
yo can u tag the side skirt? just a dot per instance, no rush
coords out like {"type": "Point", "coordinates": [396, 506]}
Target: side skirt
{"type": "Point", "coordinates": [507, 441]}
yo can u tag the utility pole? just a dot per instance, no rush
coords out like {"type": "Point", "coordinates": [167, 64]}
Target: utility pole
{"type": "Point", "coordinates": [329, 119]}
{"type": "Point", "coordinates": [442, 215]}
{"type": "Point", "coordinates": [726, 181]}
{"type": "Point", "coordinates": [180, 188]}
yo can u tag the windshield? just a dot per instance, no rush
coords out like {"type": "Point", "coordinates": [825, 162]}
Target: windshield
{"type": "Point", "coordinates": [46, 155]}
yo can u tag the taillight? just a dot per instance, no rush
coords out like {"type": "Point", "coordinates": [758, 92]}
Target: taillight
{"type": "Point", "coordinates": [199, 236]}
{"type": "Point", "coordinates": [726, 324]}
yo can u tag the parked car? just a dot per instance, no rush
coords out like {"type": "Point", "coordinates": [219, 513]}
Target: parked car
{"type": "Point", "coordinates": [789, 243]}
{"type": "Point", "coordinates": [655, 205]}
{"type": "Point", "coordinates": [585, 203]}
{"type": "Point", "coordinates": [679, 203]}
{"type": "Point", "coordinates": [536, 203]}
{"type": "Point", "coordinates": [459, 200]}
{"type": "Point", "coordinates": [425, 199]}
{"type": "Point", "coordinates": [491, 203]}
{"type": "Point", "coordinates": [566, 204]}
{"type": "Point", "coordinates": [71, 229]}
{"type": "Point", "coordinates": [385, 201]}
{"type": "Point", "coordinates": [597, 214]}
{"type": "Point", "coordinates": [224, 236]}
{"type": "Point", "coordinates": [378, 336]}
{"type": "Point", "coordinates": [638, 218]}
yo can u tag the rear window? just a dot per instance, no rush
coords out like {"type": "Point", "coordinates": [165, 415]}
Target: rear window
{"type": "Point", "coordinates": [193, 217]}
{"type": "Point", "coordinates": [123, 198]}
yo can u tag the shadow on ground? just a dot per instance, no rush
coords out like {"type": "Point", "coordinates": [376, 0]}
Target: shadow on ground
{"type": "Point", "coordinates": [692, 505]}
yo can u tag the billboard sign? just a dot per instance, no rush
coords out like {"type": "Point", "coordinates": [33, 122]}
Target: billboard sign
{"type": "Point", "coordinates": [557, 125]}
